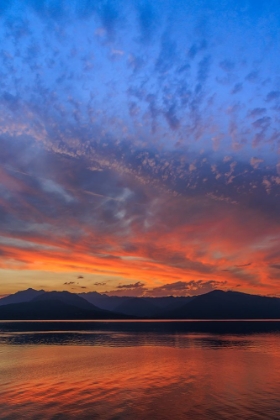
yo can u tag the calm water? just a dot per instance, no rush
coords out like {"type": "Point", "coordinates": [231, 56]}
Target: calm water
{"type": "Point", "coordinates": [140, 370]}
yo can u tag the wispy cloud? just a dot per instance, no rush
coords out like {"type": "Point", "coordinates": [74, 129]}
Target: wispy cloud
{"type": "Point", "coordinates": [140, 145]}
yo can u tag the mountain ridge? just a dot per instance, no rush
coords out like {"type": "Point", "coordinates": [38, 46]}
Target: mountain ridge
{"type": "Point", "coordinates": [21, 296]}
{"type": "Point", "coordinates": [217, 304]}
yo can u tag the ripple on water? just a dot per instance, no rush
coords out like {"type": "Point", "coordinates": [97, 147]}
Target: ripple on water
{"type": "Point", "coordinates": [139, 375]}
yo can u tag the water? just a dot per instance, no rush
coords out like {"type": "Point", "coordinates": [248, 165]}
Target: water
{"type": "Point", "coordinates": [140, 370]}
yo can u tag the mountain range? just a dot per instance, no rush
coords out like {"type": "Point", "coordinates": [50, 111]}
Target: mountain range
{"type": "Point", "coordinates": [38, 304]}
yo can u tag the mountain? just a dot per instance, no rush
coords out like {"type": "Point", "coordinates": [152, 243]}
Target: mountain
{"type": "Point", "coordinates": [169, 302]}
{"type": "Point", "coordinates": [143, 307]}
{"type": "Point", "coordinates": [67, 298]}
{"type": "Point", "coordinates": [22, 296]}
{"type": "Point", "coordinates": [32, 304]}
{"type": "Point", "coordinates": [50, 309]}
{"type": "Point", "coordinates": [104, 301]}
{"type": "Point", "coordinates": [227, 305]}
{"type": "Point", "coordinates": [139, 307]}
{"type": "Point", "coordinates": [55, 305]}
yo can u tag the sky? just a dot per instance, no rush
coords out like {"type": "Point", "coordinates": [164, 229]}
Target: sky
{"type": "Point", "coordinates": [140, 146]}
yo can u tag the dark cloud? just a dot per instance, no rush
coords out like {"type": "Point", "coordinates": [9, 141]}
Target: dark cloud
{"type": "Point", "coordinates": [171, 117]}
{"type": "Point", "coordinates": [252, 76]}
{"type": "Point", "coordinates": [183, 288]}
{"type": "Point", "coordinates": [109, 15]}
{"type": "Point", "coordinates": [130, 289]}
{"type": "Point", "coordinates": [167, 55]}
{"type": "Point", "coordinates": [131, 285]}
{"type": "Point", "coordinates": [276, 266]}
{"type": "Point", "coordinates": [256, 112]}
{"type": "Point", "coordinates": [237, 88]}
{"type": "Point", "coordinates": [136, 146]}
{"type": "Point", "coordinates": [273, 95]}
{"type": "Point", "coordinates": [179, 288]}
{"type": "Point", "coordinates": [262, 123]}
{"type": "Point", "coordinates": [197, 48]}
{"type": "Point", "coordinates": [203, 69]}
{"type": "Point", "coordinates": [147, 20]}
{"type": "Point", "coordinates": [244, 265]}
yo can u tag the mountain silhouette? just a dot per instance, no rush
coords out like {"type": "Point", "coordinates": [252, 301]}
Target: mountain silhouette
{"type": "Point", "coordinates": [65, 305]}
{"type": "Point", "coordinates": [21, 296]}
{"type": "Point", "coordinates": [55, 305]}
{"type": "Point", "coordinates": [139, 307]}
{"type": "Point", "coordinates": [67, 298]}
{"type": "Point", "coordinates": [104, 301]}
{"type": "Point", "coordinates": [143, 307]}
{"type": "Point", "coordinates": [227, 305]}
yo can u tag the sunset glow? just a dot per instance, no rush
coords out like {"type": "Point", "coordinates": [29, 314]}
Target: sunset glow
{"type": "Point", "coordinates": [139, 147]}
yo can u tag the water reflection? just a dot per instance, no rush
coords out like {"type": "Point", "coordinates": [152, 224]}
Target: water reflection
{"type": "Point", "coordinates": [126, 334]}
{"type": "Point", "coordinates": [110, 371]}
{"type": "Point", "coordinates": [122, 340]}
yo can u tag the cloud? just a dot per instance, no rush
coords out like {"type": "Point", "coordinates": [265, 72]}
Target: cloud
{"type": "Point", "coordinates": [244, 265]}
{"type": "Point", "coordinates": [130, 289]}
{"type": "Point", "coordinates": [52, 187]}
{"type": "Point", "coordinates": [255, 162]}
{"type": "Point", "coordinates": [256, 112]}
{"type": "Point", "coordinates": [158, 167]}
{"type": "Point", "coordinates": [149, 242]}
{"type": "Point", "coordinates": [237, 88]}
{"type": "Point", "coordinates": [179, 288]}
{"type": "Point", "coordinates": [147, 21]}
{"type": "Point", "coordinates": [273, 95]}
{"type": "Point", "coordinates": [197, 48]}
{"type": "Point", "coordinates": [131, 285]}
{"type": "Point", "coordinates": [276, 266]}
{"type": "Point", "coordinates": [186, 288]}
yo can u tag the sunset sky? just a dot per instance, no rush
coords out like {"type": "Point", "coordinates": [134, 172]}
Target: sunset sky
{"type": "Point", "coordinates": [139, 146]}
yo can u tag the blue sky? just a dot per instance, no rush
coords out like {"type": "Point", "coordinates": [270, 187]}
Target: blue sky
{"type": "Point", "coordinates": [110, 110]}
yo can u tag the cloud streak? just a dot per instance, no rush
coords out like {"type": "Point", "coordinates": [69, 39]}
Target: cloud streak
{"type": "Point", "coordinates": [138, 148]}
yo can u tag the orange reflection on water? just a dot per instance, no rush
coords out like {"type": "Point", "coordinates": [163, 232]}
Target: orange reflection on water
{"type": "Point", "coordinates": [142, 381]}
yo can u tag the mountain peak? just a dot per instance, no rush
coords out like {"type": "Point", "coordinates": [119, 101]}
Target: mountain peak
{"type": "Point", "coordinates": [66, 297]}
{"type": "Point", "coordinates": [21, 296]}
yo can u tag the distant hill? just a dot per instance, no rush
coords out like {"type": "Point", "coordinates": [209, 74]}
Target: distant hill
{"type": "Point", "coordinates": [103, 301]}
{"type": "Point", "coordinates": [142, 307]}
{"type": "Point", "coordinates": [51, 310]}
{"type": "Point", "coordinates": [139, 307]}
{"type": "Point", "coordinates": [55, 305]}
{"type": "Point", "coordinates": [227, 305]}
{"type": "Point", "coordinates": [65, 305]}
{"type": "Point", "coordinates": [67, 298]}
{"type": "Point", "coordinates": [22, 296]}
{"type": "Point", "coordinates": [169, 303]}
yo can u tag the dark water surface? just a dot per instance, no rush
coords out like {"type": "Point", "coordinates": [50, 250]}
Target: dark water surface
{"type": "Point", "coordinates": [140, 370]}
